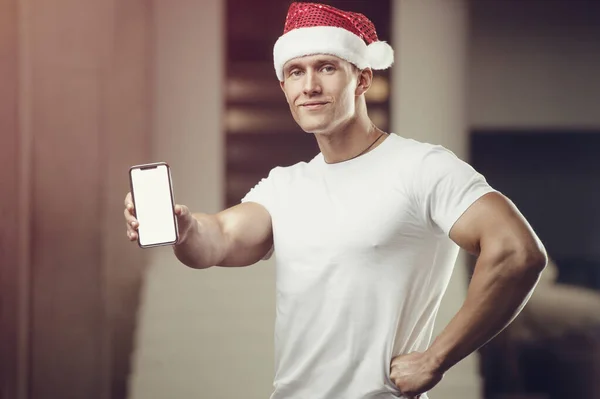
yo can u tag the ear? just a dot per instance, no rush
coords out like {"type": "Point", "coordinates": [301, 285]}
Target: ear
{"type": "Point", "coordinates": [282, 85]}
{"type": "Point", "coordinates": [365, 79]}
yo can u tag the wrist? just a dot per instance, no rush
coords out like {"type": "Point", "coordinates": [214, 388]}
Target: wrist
{"type": "Point", "coordinates": [437, 360]}
{"type": "Point", "coordinates": [185, 249]}
{"type": "Point", "coordinates": [186, 230]}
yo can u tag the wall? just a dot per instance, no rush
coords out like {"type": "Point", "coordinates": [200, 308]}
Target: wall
{"type": "Point", "coordinates": [534, 64]}
{"type": "Point", "coordinates": [74, 116]}
{"type": "Point", "coordinates": [11, 207]}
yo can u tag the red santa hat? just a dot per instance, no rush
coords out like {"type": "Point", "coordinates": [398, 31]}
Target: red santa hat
{"type": "Point", "coordinates": [312, 28]}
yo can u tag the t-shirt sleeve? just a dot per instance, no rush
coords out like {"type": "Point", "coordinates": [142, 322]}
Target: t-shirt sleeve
{"type": "Point", "coordinates": [445, 187]}
{"type": "Point", "coordinates": [263, 193]}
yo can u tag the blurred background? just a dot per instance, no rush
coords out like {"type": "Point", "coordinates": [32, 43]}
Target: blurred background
{"type": "Point", "coordinates": [89, 88]}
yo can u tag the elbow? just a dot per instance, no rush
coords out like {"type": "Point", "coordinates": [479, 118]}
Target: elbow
{"type": "Point", "coordinates": [529, 260]}
{"type": "Point", "coordinates": [516, 260]}
{"type": "Point", "coordinates": [538, 261]}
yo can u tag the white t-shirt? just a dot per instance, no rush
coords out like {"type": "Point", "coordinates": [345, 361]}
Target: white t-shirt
{"type": "Point", "coordinates": [363, 259]}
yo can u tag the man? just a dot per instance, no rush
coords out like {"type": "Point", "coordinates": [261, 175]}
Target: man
{"type": "Point", "coordinates": [366, 234]}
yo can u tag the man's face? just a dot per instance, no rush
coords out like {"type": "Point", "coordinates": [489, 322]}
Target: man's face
{"type": "Point", "coordinates": [321, 91]}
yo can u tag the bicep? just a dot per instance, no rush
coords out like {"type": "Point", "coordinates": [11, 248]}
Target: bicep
{"type": "Point", "coordinates": [493, 222]}
{"type": "Point", "coordinates": [248, 233]}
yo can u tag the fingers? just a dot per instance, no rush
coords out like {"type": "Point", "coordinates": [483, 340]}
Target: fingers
{"type": "Point", "coordinates": [130, 220]}
{"type": "Point", "coordinates": [129, 216]}
{"type": "Point", "coordinates": [128, 200]}
{"type": "Point", "coordinates": [129, 204]}
{"type": "Point", "coordinates": [132, 225]}
{"type": "Point", "coordinates": [131, 235]}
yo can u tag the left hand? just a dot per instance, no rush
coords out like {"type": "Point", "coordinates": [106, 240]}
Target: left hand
{"type": "Point", "coordinates": [414, 373]}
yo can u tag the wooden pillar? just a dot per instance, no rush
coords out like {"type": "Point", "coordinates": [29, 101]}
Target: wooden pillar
{"type": "Point", "coordinates": [11, 206]}
{"type": "Point", "coordinates": [74, 115]}
{"type": "Point", "coordinates": [429, 104]}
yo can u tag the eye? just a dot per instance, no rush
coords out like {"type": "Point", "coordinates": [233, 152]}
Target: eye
{"type": "Point", "coordinates": [295, 72]}
{"type": "Point", "coordinates": [328, 68]}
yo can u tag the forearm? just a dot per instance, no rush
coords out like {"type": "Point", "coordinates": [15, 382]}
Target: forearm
{"type": "Point", "coordinates": [203, 245]}
{"type": "Point", "coordinates": [499, 289]}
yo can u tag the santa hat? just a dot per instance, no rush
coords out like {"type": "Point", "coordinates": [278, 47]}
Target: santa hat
{"type": "Point", "coordinates": [312, 28]}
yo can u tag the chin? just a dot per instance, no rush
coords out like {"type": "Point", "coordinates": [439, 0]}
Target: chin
{"type": "Point", "coordinates": [312, 130]}
{"type": "Point", "coordinates": [316, 128]}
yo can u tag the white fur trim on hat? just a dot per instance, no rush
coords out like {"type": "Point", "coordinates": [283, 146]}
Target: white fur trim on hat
{"type": "Point", "coordinates": [330, 40]}
{"type": "Point", "coordinates": [380, 55]}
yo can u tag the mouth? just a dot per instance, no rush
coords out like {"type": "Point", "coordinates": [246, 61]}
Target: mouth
{"type": "Point", "coordinates": [314, 105]}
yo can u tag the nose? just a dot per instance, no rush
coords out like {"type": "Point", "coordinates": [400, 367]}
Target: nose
{"type": "Point", "coordinates": [312, 85]}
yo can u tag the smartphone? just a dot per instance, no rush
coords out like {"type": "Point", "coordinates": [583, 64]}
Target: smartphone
{"type": "Point", "coordinates": [152, 194]}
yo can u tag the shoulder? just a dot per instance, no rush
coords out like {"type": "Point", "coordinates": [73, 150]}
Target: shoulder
{"type": "Point", "coordinates": [426, 159]}
{"type": "Point", "coordinates": [287, 174]}
{"type": "Point", "coordinates": [411, 151]}
{"type": "Point", "coordinates": [427, 168]}
{"type": "Point", "coordinates": [441, 185]}
{"type": "Point", "coordinates": [420, 151]}
{"type": "Point", "coordinates": [418, 161]}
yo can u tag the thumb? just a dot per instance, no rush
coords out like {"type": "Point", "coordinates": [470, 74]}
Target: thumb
{"type": "Point", "coordinates": [182, 211]}
{"type": "Point", "coordinates": [185, 220]}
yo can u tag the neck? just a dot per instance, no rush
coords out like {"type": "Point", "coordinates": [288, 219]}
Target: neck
{"type": "Point", "coordinates": [349, 140]}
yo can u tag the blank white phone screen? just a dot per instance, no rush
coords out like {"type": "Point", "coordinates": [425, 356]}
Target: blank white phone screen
{"type": "Point", "coordinates": [153, 205]}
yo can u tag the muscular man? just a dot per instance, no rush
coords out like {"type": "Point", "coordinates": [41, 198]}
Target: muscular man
{"type": "Point", "coordinates": [366, 234]}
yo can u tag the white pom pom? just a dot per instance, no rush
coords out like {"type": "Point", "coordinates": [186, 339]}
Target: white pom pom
{"type": "Point", "coordinates": [380, 55]}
